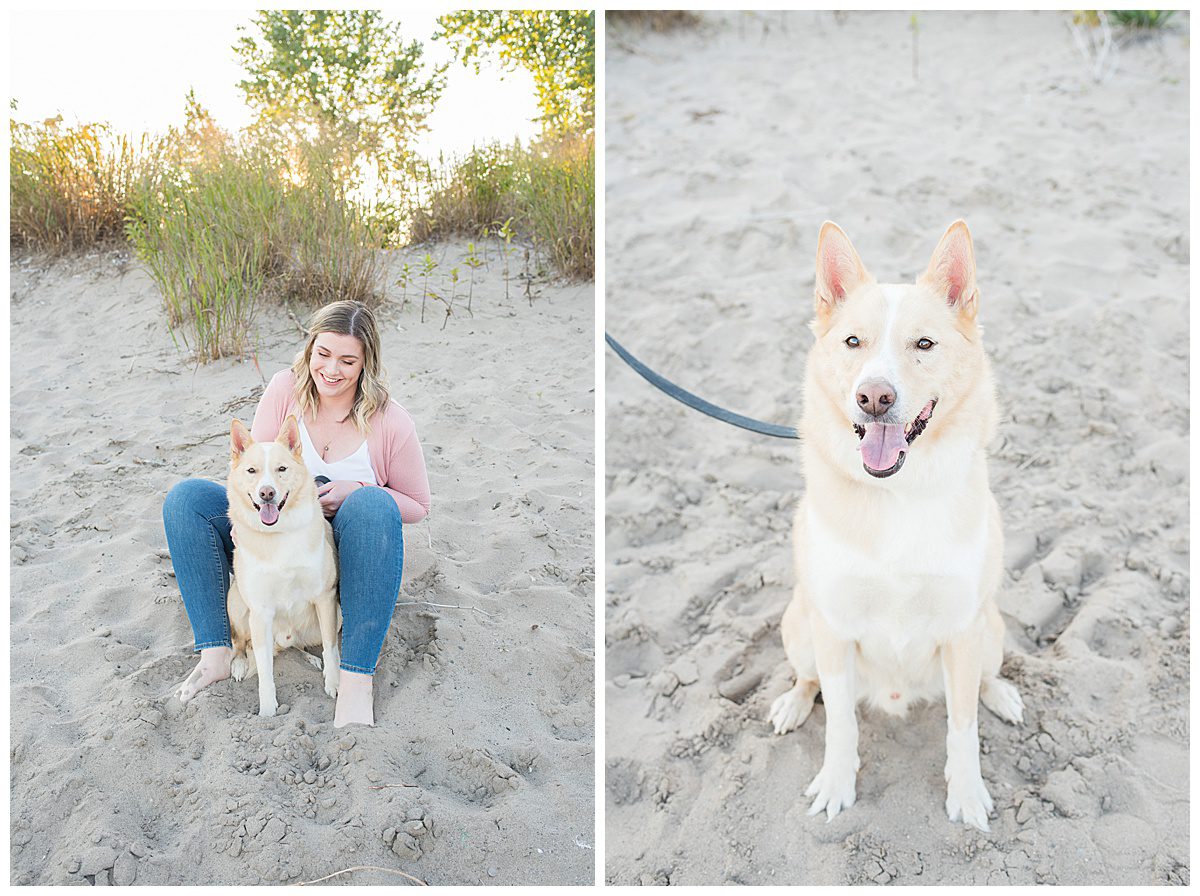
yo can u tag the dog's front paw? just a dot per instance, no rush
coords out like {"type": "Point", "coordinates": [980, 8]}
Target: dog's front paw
{"type": "Point", "coordinates": [833, 788]}
{"type": "Point", "coordinates": [789, 710]}
{"type": "Point", "coordinates": [238, 667]}
{"type": "Point", "coordinates": [267, 710]}
{"type": "Point", "coordinates": [967, 798]}
{"type": "Point", "coordinates": [332, 661]}
{"type": "Point", "coordinates": [1003, 699]}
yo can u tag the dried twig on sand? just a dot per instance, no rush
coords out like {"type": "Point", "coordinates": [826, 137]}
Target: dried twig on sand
{"type": "Point", "coordinates": [410, 603]}
{"type": "Point", "coordinates": [416, 880]}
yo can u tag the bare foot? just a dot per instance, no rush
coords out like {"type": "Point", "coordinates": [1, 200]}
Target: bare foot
{"type": "Point", "coordinates": [354, 700]}
{"type": "Point", "coordinates": [213, 667]}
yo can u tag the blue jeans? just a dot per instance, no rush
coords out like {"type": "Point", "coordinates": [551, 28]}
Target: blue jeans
{"type": "Point", "coordinates": [370, 547]}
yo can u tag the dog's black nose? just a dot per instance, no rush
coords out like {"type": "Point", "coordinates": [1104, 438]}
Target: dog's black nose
{"type": "Point", "coordinates": [267, 494]}
{"type": "Point", "coordinates": [876, 397]}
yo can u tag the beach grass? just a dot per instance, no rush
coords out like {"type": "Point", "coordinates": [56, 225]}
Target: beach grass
{"type": "Point", "coordinates": [466, 195]}
{"type": "Point", "coordinates": [223, 223]}
{"type": "Point", "coordinates": [229, 227]}
{"type": "Point", "coordinates": [544, 192]}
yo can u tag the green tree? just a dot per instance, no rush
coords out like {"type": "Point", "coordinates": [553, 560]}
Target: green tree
{"type": "Point", "coordinates": [346, 74]}
{"type": "Point", "coordinates": [558, 47]}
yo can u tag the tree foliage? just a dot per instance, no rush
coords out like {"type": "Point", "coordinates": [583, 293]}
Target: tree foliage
{"type": "Point", "coordinates": [345, 73]}
{"type": "Point", "coordinates": [558, 47]}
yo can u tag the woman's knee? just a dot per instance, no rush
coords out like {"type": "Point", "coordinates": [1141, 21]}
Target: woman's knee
{"type": "Point", "coordinates": [194, 496]}
{"type": "Point", "coordinates": [371, 506]}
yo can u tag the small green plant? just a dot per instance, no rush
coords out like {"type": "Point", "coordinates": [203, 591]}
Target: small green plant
{"type": "Point", "coordinates": [403, 281]}
{"type": "Point", "coordinates": [428, 266]}
{"type": "Point", "coordinates": [453, 285]}
{"type": "Point", "coordinates": [474, 262]}
{"type": "Point", "coordinates": [506, 233]}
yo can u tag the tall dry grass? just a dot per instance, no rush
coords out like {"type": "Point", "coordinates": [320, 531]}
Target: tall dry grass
{"type": "Point", "coordinates": [653, 20]}
{"type": "Point", "coordinates": [465, 195]}
{"type": "Point", "coordinates": [558, 195]}
{"type": "Point", "coordinates": [69, 188]}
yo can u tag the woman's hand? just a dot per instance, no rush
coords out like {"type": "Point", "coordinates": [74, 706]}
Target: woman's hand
{"type": "Point", "coordinates": [332, 494]}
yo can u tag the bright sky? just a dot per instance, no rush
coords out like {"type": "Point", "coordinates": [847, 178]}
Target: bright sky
{"type": "Point", "coordinates": [134, 68]}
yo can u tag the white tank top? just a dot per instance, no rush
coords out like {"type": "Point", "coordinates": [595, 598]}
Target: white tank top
{"type": "Point", "coordinates": [356, 467]}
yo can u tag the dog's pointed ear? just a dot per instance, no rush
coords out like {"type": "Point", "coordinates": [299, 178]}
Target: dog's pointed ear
{"type": "Point", "coordinates": [239, 439]}
{"type": "Point", "coordinates": [839, 269]}
{"type": "Point", "coordinates": [289, 436]}
{"type": "Point", "coordinates": [951, 271]}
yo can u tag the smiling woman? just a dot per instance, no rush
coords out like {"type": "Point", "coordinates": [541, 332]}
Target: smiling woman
{"type": "Point", "coordinates": [365, 446]}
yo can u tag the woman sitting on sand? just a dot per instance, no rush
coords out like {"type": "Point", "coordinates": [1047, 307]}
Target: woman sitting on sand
{"type": "Point", "coordinates": [366, 445]}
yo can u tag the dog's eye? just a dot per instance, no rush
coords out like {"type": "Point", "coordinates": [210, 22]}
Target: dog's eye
{"type": "Point", "coordinates": [251, 470]}
{"type": "Point", "coordinates": [925, 344]}
{"type": "Point", "coordinates": [281, 469]}
{"type": "Point", "coordinates": [852, 341]}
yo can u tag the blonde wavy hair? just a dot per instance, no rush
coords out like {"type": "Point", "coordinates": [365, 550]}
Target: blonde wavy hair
{"type": "Point", "coordinates": [347, 319]}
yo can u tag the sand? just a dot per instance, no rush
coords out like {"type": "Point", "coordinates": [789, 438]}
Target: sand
{"type": "Point", "coordinates": [480, 768]}
{"type": "Point", "coordinates": [754, 129]}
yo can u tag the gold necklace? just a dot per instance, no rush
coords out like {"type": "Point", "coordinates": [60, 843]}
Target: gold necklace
{"type": "Point", "coordinates": [325, 450]}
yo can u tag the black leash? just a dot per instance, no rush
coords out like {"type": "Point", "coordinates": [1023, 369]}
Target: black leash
{"type": "Point", "coordinates": [698, 403]}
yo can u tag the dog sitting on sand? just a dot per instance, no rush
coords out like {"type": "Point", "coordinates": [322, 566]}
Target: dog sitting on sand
{"type": "Point", "coordinates": [898, 541]}
{"type": "Point", "coordinates": [284, 588]}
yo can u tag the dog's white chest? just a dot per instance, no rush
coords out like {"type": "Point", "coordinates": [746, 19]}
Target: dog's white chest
{"type": "Point", "coordinates": [917, 585]}
{"type": "Point", "coordinates": [282, 586]}
{"type": "Point", "coordinates": [288, 581]}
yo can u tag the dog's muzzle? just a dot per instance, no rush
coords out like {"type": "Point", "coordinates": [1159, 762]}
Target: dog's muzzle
{"type": "Point", "coordinates": [884, 446]}
{"type": "Point", "coordinates": [268, 511]}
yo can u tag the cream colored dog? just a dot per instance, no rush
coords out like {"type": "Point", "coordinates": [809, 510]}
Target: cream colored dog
{"type": "Point", "coordinates": [898, 540]}
{"type": "Point", "coordinates": [284, 588]}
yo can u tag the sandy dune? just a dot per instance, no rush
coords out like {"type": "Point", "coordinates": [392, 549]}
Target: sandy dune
{"type": "Point", "coordinates": [480, 769]}
{"type": "Point", "coordinates": [726, 148]}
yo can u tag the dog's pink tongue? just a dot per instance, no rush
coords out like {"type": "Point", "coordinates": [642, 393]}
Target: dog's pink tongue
{"type": "Point", "coordinates": [269, 514]}
{"type": "Point", "coordinates": [882, 444]}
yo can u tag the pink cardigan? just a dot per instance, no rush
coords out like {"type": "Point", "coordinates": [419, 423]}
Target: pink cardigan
{"type": "Point", "coordinates": [392, 444]}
